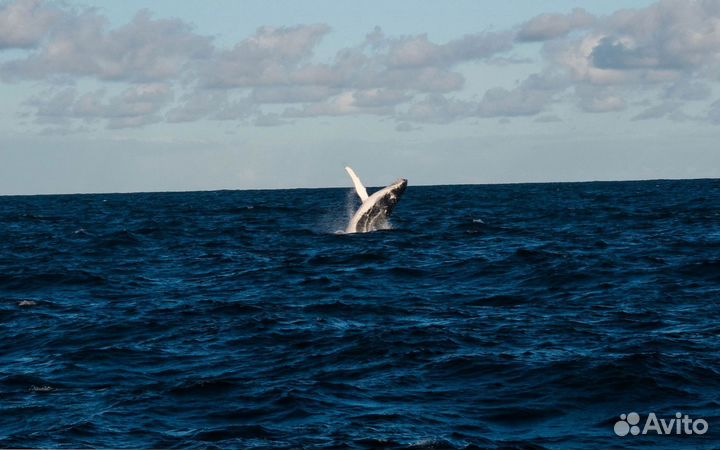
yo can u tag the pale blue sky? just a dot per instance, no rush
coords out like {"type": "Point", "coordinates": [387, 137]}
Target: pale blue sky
{"type": "Point", "coordinates": [106, 100]}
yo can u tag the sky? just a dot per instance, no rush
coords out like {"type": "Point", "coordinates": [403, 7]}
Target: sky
{"type": "Point", "coordinates": [130, 96]}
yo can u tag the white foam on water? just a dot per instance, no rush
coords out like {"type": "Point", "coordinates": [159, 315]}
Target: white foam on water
{"type": "Point", "coordinates": [45, 388]}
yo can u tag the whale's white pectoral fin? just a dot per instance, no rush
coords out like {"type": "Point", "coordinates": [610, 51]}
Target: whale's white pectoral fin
{"type": "Point", "coordinates": [359, 188]}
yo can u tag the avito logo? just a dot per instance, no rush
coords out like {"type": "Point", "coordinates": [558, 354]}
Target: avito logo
{"type": "Point", "coordinates": [680, 424]}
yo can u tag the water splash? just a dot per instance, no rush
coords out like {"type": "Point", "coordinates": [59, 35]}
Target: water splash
{"type": "Point", "coordinates": [351, 205]}
{"type": "Point", "coordinates": [336, 220]}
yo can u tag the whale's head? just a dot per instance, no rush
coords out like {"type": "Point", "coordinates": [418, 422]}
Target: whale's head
{"type": "Point", "coordinates": [395, 191]}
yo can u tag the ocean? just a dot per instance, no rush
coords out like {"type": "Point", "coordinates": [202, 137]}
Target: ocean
{"type": "Point", "coordinates": [489, 316]}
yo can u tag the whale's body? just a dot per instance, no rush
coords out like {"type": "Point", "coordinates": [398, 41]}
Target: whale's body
{"type": "Point", "coordinates": [375, 209]}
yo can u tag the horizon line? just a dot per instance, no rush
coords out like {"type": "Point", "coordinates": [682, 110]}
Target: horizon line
{"type": "Point", "coordinates": [631, 180]}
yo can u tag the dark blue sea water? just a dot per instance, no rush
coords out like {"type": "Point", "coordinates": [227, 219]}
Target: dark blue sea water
{"type": "Point", "coordinates": [506, 316]}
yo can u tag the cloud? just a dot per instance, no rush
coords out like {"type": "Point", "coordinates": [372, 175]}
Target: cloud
{"type": "Point", "coordinates": [292, 94]}
{"type": "Point", "coordinates": [235, 109]}
{"type": "Point", "coordinates": [688, 90]}
{"type": "Point", "coordinates": [153, 69]}
{"type": "Point", "coordinates": [196, 106]}
{"type": "Point", "coordinates": [53, 107]}
{"type": "Point", "coordinates": [272, 56]}
{"type": "Point", "coordinates": [613, 54]}
{"type": "Point", "coordinates": [421, 79]}
{"type": "Point", "coordinates": [212, 105]}
{"type": "Point", "coordinates": [663, 41]}
{"type": "Point", "coordinates": [714, 113]}
{"type": "Point", "coordinates": [275, 65]}
{"type": "Point", "coordinates": [405, 127]}
{"type": "Point", "coordinates": [550, 26]}
{"type": "Point", "coordinates": [418, 51]}
{"type": "Point", "coordinates": [437, 108]}
{"type": "Point", "coordinates": [511, 102]}
{"type": "Point", "coordinates": [135, 106]}
{"type": "Point", "coordinates": [343, 104]}
{"type": "Point", "coordinates": [380, 97]}
{"type": "Point", "coordinates": [23, 24]}
{"type": "Point", "coordinates": [599, 100]}
{"type": "Point", "coordinates": [670, 34]}
{"type": "Point", "coordinates": [80, 43]}
{"type": "Point", "coordinates": [665, 54]}
{"type": "Point", "coordinates": [527, 99]}
{"type": "Point", "coordinates": [659, 111]}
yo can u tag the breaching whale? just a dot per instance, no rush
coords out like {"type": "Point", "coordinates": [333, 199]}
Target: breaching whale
{"type": "Point", "coordinates": [375, 209]}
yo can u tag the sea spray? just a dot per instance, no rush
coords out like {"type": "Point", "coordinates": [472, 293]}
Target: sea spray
{"type": "Point", "coordinates": [336, 218]}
